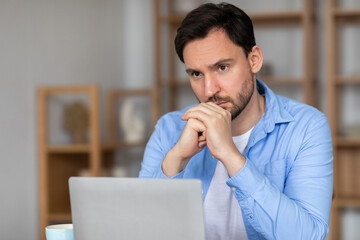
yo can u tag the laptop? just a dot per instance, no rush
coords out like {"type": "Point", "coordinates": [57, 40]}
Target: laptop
{"type": "Point", "coordinates": [136, 208]}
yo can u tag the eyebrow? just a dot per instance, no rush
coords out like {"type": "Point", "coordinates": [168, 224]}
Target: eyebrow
{"type": "Point", "coordinates": [226, 60]}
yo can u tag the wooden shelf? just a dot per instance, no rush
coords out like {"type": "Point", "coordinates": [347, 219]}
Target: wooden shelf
{"type": "Point", "coordinates": [286, 81]}
{"type": "Point", "coordinates": [123, 145]}
{"type": "Point", "coordinates": [67, 89]}
{"type": "Point", "coordinates": [270, 80]}
{"type": "Point", "coordinates": [282, 17]}
{"type": "Point", "coordinates": [346, 149]}
{"type": "Point", "coordinates": [73, 149]}
{"type": "Point", "coordinates": [173, 19]}
{"type": "Point", "coordinates": [347, 79]}
{"type": "Point", "coordinates": [346, 202]}
{"type": "Point", "coordinates": [60, 217]}
{"type": "Point", "coordinates": [57, 162]}
{"type": "Point", "coordinates": [67, 148]}
{"type": "Point", "coordinates": [53, 171]}
{"type": "Point", "coordinates": [347, 15]}
{"type": "Point", "coordinates": [347, 141]}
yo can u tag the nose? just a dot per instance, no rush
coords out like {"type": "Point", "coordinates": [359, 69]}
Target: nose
{"type": "Point", "coordinates": [211, 86]}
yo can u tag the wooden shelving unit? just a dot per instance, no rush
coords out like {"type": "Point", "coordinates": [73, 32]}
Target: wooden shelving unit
{"type": "Point", "coordinates": [303, 18]}
{"type": "Point", "coordinates": [57, 162]}
{"type": "Point", "coordinates": [346, 149]}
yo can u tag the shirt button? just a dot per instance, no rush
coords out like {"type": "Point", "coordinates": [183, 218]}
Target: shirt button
{"type": "Point", "coordinates": [233, 188]}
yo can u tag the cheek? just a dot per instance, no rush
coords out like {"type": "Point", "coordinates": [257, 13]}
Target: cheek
{"type": "Point", "coordinates": [235, 83]}
{"type": "Point", "coordinates": [231, 81]}
{"type": "Point", "coordinates": [198, 90]}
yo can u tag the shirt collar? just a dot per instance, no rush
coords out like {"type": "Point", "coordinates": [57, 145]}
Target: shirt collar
{"type": "Point", "coordinates": [275, 113]}
{"type": "Point", "coordinates": [275, 110]}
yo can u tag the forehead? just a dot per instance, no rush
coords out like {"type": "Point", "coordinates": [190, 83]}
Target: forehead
{"type": "Point", "coordinates": [216, 45]}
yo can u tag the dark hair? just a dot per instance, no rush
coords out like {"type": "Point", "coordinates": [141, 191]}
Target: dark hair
{"type": "Point", "coordinates": [200, 21]}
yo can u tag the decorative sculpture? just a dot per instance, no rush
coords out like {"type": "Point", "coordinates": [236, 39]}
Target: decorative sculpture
{"type": "Point", "coordinates": [76, 120]}
{"type": "Point", "coordinates": [132, 126]}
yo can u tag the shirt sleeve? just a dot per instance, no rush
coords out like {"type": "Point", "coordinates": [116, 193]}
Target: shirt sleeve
{"type": "Point", "coordinates": [302, 210]}
{"type": "Point", "coordinates": [156, 149]}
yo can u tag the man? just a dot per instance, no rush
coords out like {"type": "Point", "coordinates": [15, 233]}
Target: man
{"type": "Point", "coordinates": [265, 161]}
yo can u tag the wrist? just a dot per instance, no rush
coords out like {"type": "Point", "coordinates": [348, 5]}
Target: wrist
{"type": "Point", "coordinates": [234, 163]}
{"type": "Point", "coordinates": [173, 163]}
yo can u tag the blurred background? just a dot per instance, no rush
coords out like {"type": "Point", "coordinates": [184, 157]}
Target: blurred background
{"type": "Point", "coordinates": [84, 81]}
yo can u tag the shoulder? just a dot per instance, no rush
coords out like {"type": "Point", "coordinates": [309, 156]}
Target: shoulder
{"type": "Point", "coordinates": [284, 110]}
{"type": "Point", "coordinates": [300, 110]}
{"type": "Point", "coordinates": [171, 122]}
{"type": "Point", "coordinates": [303, 114]}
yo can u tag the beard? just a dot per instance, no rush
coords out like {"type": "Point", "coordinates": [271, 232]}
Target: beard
{"type": "Point", "coordinates": [242, 98]}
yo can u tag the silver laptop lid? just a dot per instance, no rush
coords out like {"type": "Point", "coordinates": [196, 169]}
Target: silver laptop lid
{"type": "Point", "coordinates": [134, 208]}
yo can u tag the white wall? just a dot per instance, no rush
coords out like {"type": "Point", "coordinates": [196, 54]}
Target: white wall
{"type": "Point", "coordinates": [17, 164]}
{"type": "Point", "coordinates": [52, 42]}
{"type": "Point", "coordinates": [138, 44]}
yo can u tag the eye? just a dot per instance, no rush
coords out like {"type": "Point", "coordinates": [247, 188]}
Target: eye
{"type": "Point", "coordinates": [223, 68]}
{"type": "Point", "coordinates": [196, 74]}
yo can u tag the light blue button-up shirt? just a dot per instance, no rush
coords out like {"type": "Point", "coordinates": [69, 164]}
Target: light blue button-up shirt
{"type": "Point", "coordinates": [285, 186]}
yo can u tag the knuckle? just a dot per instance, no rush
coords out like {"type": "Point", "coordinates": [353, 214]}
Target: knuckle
{"type": "Point", "coordinates": [223, 114]}
{"type": "Point", "coordinates": [227, 114]}
{"type": "Point", "coordinates": [191, 121]}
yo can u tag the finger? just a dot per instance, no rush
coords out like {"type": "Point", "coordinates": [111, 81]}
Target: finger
{"type": "Point", "coordinates": [204, 106]}
{"type": "Point", "coordinates": [202, 138]}
{"type": "Point", "coordinates": [203, 109]}
{"type": "Point", "coordinates": [208, 108]}
{"type": "Point", "coordinates": [198, 115]}
{"type": "Point", "coordinates": [214, 106]}
{"type": "Point", "coordinates": [199, 107]}
{"type": "Point", "coordinates": [196, 125]}
{"type": "Point", "coordinates": [202, 144]}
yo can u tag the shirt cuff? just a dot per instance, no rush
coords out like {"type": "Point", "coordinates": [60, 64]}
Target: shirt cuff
{"type": "Point", "coordinates": [162, 175]}
{"type": "Point", "coordinates": [246, 181]}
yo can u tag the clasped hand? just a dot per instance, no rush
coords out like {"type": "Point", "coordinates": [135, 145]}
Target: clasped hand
{"type": "Point", "coordinates": [207, 124]}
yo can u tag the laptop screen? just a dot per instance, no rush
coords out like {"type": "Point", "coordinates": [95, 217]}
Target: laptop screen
{"type": "Point", "coordinates": [134, 208]}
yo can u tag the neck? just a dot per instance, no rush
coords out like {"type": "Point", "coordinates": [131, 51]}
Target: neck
{"type": "Point", "coordinates": [248, 118]}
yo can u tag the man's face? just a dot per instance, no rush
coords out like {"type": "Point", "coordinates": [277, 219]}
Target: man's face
{"type": "Point", "coordinates": [219, 72]}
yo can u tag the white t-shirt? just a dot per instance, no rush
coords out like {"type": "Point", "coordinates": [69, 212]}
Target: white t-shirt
{"type": "Point", "coordinates": [222, 212]}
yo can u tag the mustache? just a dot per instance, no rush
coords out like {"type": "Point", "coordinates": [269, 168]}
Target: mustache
{"type": "Point", "coordinates": [217, 98]}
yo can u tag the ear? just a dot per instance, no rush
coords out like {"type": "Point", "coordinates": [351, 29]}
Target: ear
{"type": "Point", "coordinates": [255, 59]}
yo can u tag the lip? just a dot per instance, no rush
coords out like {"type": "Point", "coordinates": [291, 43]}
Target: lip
{"type": "Point", "coordinates": [221, 104]}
